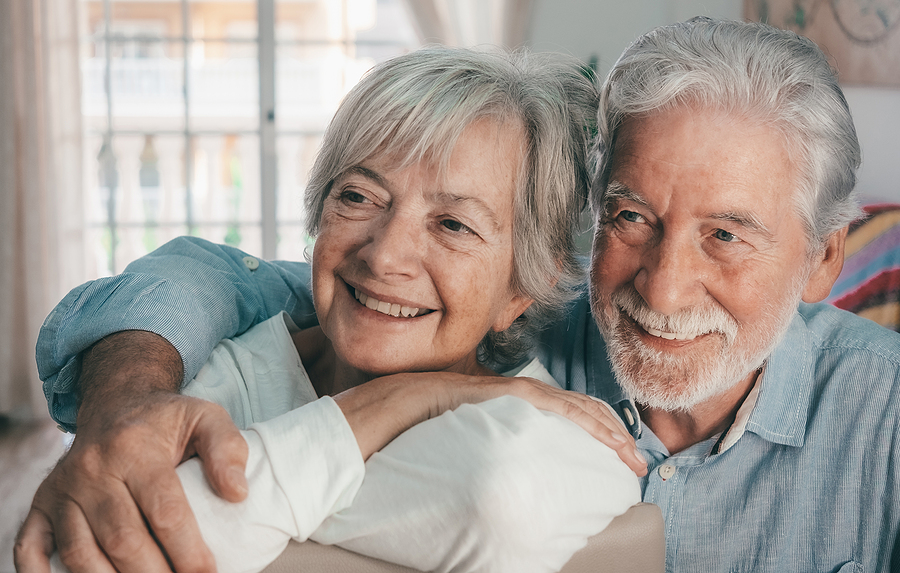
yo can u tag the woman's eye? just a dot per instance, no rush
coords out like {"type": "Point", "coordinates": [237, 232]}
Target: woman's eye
{"type": "Point", "coordinates": [455, 226]}
{"type": "Point", "coordinates": [631, 216]}
{"type": "Point", "coordinates": [725, 236]}
{"type": "Point", "coordinates": [353, 197]}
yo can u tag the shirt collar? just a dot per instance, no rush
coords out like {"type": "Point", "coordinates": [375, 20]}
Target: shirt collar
{"type": "Point", "coordinates": [776, 408]}
{"type": "Point", "coordinates": [786, 387]}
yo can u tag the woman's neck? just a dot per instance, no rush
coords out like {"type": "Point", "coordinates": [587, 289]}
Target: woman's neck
{"type": "Point", "coordinates": [330, 375]}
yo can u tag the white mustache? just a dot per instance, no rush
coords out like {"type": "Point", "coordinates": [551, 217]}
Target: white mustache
{"type": "Point", "coordinates": [690, 322]}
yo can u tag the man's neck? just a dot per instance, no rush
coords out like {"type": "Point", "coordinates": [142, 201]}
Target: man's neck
{"type": "Point", "coordinates": [682, 429]}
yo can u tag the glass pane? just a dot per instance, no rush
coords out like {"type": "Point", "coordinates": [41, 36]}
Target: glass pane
{"type": "Point", "coordinates": [391, 33]}
{"type": "Point", "coordinates": [218, 20]}
{"type": "Point", "coordinates": [325, 47]}
{"type": "Point", "coordinates": [296, 154]}
{"type": "Point", "coordinates": [309, 83]}
{"type": "Point", "coordinates": [131, 18]}
{"type": "Point", "coordinates": [248, 238]}
{"type": "Point", "coordinates": [310, 21]}
{"type": "Point", "coordinates": [146, 84]}
{"type": "Point", "coordinates": [224, 86]}
{"type": "Point", "coordinates": [226, 180]}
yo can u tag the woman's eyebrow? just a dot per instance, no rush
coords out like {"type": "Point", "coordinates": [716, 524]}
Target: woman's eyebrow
{"type": "Point", "coordinates": [445, 197]}
{"type": "Point", "coordinates": [364, 172]}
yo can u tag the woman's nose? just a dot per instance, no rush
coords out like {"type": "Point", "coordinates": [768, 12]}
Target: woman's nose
{"type": "Point", "coordinates": [394, 248]}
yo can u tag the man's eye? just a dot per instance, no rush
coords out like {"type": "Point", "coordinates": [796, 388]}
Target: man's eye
{"type": "Point", "coordinates": [631, 216]}
{"type": "Point", "coordinates": [455, 226]}
{"type": "Point", "coordinates": [725, 236]}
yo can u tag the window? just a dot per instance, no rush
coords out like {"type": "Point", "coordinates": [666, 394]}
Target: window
{"type": "Point", "coordinates": [203, 117]}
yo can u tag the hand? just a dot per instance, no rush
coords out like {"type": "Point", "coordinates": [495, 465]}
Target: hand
{"type": "Point", "coordinates": [383, 408]}
{"type": "Point", "coordinates": [118, 478]}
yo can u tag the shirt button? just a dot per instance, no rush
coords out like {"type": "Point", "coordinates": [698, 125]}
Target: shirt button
{"type": "Point", "coordinates": [666, 471]}
{"type": "Point", "coordinates": [251, 263]}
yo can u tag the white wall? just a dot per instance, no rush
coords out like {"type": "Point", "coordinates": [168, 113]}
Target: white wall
{"type": "Point", "coordinates": [603, 28]}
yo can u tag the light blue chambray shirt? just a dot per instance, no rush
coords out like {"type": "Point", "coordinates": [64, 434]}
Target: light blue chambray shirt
{"type": "Point", "coordinates": [811, 485]}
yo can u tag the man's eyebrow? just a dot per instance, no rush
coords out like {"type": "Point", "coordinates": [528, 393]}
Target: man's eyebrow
{"type": "Point", "coordinates": [470, 201]}
{"type": "Point", "coordinates": [618, 191]}
{"type": "Point", "coordinates": [745, 219]}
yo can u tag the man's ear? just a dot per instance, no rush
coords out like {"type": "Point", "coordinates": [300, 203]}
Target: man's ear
{"type": "Point", "coordinates": [827, 267]}
{"type": "Point", "coordinates": [513, 310]}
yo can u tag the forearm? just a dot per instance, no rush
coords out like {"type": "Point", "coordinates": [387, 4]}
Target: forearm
{"type": "Point", "coordinates": [302, 467]}
{"type": "Point", "coordinates": [497, 486]}
{"type": "Point", "coordinates": [120, 370]}
{"type": "Point", "coordinates": [191, 292]}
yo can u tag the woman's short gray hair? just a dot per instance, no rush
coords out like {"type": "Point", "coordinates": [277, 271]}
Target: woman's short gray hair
{"type": "Point", "coordinates": [414, 108]}
{"type": "Point", "coordinates": [752, 70]}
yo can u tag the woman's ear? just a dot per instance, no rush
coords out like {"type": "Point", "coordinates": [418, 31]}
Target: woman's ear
{"type": "Point", "coordinates": [826, 268]}
{"type": "Point", "coordinates": [513, 310]}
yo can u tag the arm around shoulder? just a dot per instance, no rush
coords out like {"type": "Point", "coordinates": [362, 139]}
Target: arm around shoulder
{"type": "Point", "coordinates": [191, 292]}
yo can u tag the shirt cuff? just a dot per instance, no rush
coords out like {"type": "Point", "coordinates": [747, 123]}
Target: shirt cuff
{"type": "Point", "coordinates": [315, 459]}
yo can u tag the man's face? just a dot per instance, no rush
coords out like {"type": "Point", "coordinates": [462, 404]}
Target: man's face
{"type": "Point", "coordinates": [701, 259]}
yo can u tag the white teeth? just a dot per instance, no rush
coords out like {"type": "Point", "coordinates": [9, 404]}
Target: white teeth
{"type": "Point", "coordinates": [394, 309]}
{"type": "Point", "coordinates": [670, 335]}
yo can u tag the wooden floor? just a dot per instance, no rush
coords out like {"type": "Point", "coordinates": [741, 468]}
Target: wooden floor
{"type": "Point", "coordinates": [27, 453]}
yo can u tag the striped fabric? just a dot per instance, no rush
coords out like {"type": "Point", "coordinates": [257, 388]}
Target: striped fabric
{"type": "Point", "coordinates": [869, 284]}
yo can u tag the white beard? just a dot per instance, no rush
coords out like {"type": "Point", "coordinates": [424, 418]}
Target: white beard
{"type": "Point", "coordinates": [679, 382]}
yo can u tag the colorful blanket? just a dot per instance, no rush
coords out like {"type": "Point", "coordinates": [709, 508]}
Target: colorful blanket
{"type": "Point", "coordinates": [869, 284]}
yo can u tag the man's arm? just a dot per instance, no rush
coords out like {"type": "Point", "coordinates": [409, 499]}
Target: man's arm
{"type": "Point", "coordinates": [133, 430]}
{"type": "Point", "coordinates": [175, 305]}
{"type": "Point", "coordinates": [191, 292]}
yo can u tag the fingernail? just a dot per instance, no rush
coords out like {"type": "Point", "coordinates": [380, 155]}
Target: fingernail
{"type": "Point", "coordinates": [618, 438]}
{"type": "Point", "coordinates": [639, 456]}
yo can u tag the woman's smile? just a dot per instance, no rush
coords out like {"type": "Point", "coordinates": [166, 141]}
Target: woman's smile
{"type": "Point", "coordinates": [424, 255]}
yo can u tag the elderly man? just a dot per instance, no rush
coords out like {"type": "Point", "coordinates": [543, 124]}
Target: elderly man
{"type": "Point", "coordinates": [726, 164]}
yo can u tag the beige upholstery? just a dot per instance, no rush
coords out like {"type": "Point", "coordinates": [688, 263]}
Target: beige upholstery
{"type": "Point", "coordinates": [633, 543]}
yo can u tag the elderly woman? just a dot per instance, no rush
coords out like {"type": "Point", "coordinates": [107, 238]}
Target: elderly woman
{"type": "Point", "coordinates": [443, 202]}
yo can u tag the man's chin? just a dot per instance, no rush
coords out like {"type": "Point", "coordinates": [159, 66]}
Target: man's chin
{"type": "Point", "coordinates": [674, 400]}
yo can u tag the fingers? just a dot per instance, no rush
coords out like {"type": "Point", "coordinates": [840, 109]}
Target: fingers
{"type": "Point", "coordinates": [159, 493]}
{"type": "Point", "coordinates": [612, 432]}
{"type": "Point", "coordinates": [116, 479]}
{"type": "Point", "coordinates": [223, 450]}
{"type": "Point", "coordinates": [77, 546]}
{"type": "Point", "coordinates": [592, 415]}
{"type": "Point", "coordinates": [34, 544]}
{"type": "Point", "coordinates": [96, 524]}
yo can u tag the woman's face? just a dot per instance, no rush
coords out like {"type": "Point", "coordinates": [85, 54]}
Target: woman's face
{"type": "Point", "coordinates": [411, 270]}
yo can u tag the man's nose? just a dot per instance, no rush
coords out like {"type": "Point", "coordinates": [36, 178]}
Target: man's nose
{"type": "Point", "coordinates": [671, 275]}
{"type": "Point", "coordinates": [394, 247]}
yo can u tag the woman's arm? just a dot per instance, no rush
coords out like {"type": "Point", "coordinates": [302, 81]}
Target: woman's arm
{"type": "Point", "coordinates": [495, 486]}
{"type": "Point", "coordinates": [302, 467]}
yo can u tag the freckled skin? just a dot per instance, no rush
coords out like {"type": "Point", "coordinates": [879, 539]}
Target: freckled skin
{"type": "Point", "coordinates": [413, 238]}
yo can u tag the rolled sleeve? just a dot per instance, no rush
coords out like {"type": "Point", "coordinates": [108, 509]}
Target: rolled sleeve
{"type": "Point", "coordinates": [191, 292]}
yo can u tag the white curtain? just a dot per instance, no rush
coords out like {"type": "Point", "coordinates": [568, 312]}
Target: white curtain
{"type": "Point", "coordinates": [41, 221]}
{"type": "Point", "coordinates": [472, 22]}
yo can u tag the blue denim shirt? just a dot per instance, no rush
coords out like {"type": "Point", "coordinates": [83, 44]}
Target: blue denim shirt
{"type": "Point", "coordinates": [812, 483]}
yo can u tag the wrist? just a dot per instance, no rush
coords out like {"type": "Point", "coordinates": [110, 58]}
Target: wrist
{"type": "Point", "coordinates": [121, 370]}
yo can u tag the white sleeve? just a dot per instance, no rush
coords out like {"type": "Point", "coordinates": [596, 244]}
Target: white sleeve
{"type": "Point", "coordinates": [303, 466]}
{"type": "Point", "coordinates": [496, 486]}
